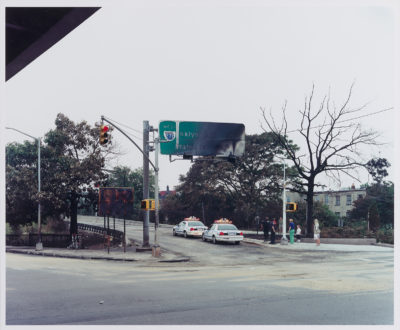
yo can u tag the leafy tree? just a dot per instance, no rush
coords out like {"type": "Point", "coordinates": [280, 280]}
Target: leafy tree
{"type": "Point", "coordinates": [377, 167]}
{"type": "Point", "coordinates": [374, 219]}
{"type": "Point", "coordinates": [379, 198]}
{"type": "Point", "coordinates": [71, 167]}
{"type": "Point", "coordinates": [321, 211]}
{"type": "Point", "coordinates": [381, 195]}
{"type": "Point", "coordinates": [332, 140]}
{"type": "Point", "coordinates": [21, 183]}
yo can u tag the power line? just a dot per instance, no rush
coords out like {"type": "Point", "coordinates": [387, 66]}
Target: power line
{"type": "Point", "coordinates": [343, 121]}
{"type": "Point", "coordinates": [128, 127]}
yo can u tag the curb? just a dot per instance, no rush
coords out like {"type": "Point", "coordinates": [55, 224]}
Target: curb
{"type": "Point", "coordinates": [58, 255]}
{"type": "Point", "coordinates": [384, 245]}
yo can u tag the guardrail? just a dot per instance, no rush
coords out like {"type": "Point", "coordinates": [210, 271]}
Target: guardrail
{"type": "Point", "coordinates": [116, 234]}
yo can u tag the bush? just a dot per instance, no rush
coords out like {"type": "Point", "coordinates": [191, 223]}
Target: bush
{"type": "Point", "coordinates": [9, 229]}
{"type": "Point", "coordinates": [384, 235]}
{"type": "Point", "coordinates": [55, 226]}
{"type": "Point", "coordinates": [346, 232]}
{"type": "Point", "coordinates": [30, 228]}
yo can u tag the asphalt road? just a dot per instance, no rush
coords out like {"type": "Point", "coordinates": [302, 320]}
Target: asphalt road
{"type": "Point", "coordinates": [43, 290]}
{"type": "Point", "coordinates": [222, 284]}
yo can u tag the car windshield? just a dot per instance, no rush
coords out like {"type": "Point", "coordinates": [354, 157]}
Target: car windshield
{"type": "Point", "coordinates": [195, 223]}
{"type": "Point", "coordinates": [227, 227]}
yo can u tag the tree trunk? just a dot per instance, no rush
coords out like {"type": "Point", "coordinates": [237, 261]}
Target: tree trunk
{"type": "Point", "coordinates": [73, 228]}
{"type": "Point", "coordinates": [310, 208]}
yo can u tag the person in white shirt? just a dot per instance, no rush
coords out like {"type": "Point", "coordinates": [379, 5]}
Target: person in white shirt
{"type": "Point", "coordinates": [298, 233]}
{"type": "Point", "coordinates": [317, 232]}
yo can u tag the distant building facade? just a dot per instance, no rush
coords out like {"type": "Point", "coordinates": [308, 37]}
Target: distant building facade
{"type": "Point", "coordinates": [164, 193]}
{"type": "Point", "coordinates": [340, 202]}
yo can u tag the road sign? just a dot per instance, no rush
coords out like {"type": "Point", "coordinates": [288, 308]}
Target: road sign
{"type": "Point", "coordinates": [191, 138]}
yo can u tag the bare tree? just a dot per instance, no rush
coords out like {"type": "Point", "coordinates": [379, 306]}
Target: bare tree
{"type": "Point", "coordinates": [332, 140]}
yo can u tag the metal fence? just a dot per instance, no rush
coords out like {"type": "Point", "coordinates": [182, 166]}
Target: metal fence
{"type": "Point", "coordinates": [48, 240]}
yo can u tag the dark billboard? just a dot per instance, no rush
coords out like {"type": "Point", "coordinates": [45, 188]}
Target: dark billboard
{"type": "Point", "coordinates": [115, 202]}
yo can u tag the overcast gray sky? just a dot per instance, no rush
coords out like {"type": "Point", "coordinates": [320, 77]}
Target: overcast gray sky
{"type": "Point", "coordinates": [209, 61]}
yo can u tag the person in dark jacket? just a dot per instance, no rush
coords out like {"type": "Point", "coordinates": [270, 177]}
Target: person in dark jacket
{"type": "Point", "coordinates": [272, 234]}
{"type": "Point", "coordinates": [266, 228]}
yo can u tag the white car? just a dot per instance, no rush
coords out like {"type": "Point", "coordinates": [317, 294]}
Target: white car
{"type": "Point", "coordinates": [189, 227]}
{"type": "Point", "coordinates": [225, 232]}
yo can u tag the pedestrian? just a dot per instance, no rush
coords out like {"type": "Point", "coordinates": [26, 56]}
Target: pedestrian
{"type": "Point", "coordinates": [317, 232]}
{"type": "Point", "coordinates": [266, 228]}
{"type": "Point", "coordinates": [280, 224]}
{"type": "Point", "coordinates": [291, 231]}
{"type": "Point", "coordinates": [272, 234]}
{"type": "Point", "coordinates": [257, 221]}
{"type": "Point", "coordinates": [298, 233]}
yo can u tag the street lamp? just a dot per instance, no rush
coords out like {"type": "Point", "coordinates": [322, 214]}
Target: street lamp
{"type": "Point", "coordinates": [39, 244]}
{"type": "Point", "coordinates": [284, 240]}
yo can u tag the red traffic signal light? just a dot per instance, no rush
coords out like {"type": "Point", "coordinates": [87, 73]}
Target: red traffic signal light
{"type": "Point", "coordinates": [103, 134]}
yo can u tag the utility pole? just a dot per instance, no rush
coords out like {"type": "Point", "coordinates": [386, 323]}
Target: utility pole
{"type": "Point", "coordinates": [146, 220]}
{"type": "Point", "coordinates": [156, 248]}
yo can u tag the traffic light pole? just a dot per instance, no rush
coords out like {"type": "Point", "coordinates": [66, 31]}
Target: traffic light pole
{"type": "Point", "coordinates": [146, 161]}
{"type": "Point", "coordinates": [146, 220]}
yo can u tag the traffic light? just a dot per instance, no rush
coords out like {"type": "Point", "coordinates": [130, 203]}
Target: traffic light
{"type": "Point", "coordinates": [291, 207]}
{"type": "Point", "coordinates": [103, 134]}
{"type": "Point", "coordinates": [148, 204]}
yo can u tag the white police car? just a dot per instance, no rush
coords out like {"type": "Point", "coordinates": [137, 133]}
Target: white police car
{"type": "Point", "coordinates": [223, 230]}
{"type": "Point", "coordinates": [191, 226]}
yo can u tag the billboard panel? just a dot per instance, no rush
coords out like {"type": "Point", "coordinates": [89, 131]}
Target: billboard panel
{"type": "Point", "coordinates": [115, 202]}
{"type": "Point", "coordinates": [201, 138]}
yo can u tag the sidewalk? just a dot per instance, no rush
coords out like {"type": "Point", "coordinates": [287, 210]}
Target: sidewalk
{"type": "Point", "coordinates": [116, 254]}
{"type": "Point", "coordinates": [305, 246]}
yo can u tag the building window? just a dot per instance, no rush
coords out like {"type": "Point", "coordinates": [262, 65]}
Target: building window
{"type": "Point", "coordinates": [337, 214]}
{"type": "Point", "coordinates": [337, 200]}
{"type": "Point", "coordinates": [326, 199]}
{"type": "Point", "coordinates": [348, 199]}
{"type": "Point", "coordinates": [348, 214]}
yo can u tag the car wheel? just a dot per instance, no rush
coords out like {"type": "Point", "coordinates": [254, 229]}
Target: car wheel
{"type": "Point", "coordinates": [214, 240]}
{"type": "Point", "coordinates": [174, 232]}
{"type": "Point", "coordinates": [203, 238]}
{"type": "Point", "coordinates": [237, 242]}
{"type": "Point", "coordinates": [185, 234]}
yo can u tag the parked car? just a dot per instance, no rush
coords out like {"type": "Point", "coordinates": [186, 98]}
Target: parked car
{"type": "Point", "coordinates": [191, 226]}
{"type": "Point", "coordinates": [223, 230]}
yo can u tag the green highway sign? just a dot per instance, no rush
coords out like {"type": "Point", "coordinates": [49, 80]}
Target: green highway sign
{"type": "Point", "coordinates": [192, 138]}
